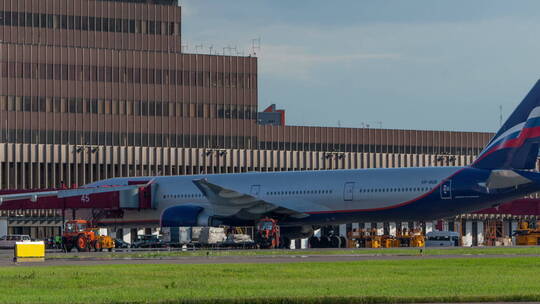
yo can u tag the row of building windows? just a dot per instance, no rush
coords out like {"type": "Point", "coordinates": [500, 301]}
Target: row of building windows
{"type": "Point", "coordinates": [214, 141]}
{"type": "Point", "coordinates": [125, 107]}
{"type": "Point", "coordinates": [74, 137]}
{"type": "Point", "coordinates": [163, 2]}
{"type": "Point", "coordinates": [335, 150]}
{"type": "Point", "coordinates": [127, 75]}
{"type": "Point", "coordinates": [84, 23]}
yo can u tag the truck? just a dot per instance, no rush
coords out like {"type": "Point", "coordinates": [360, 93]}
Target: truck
{"type": "Point", "coordinates": [81, 234]}
{"type": "Point", "coordinates": [267, 234]}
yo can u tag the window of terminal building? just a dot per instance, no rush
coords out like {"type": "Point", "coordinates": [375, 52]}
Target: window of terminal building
{"type": "Point", "coordinates": [88, 23]}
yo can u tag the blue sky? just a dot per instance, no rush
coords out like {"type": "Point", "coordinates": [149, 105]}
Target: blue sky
{"type": "Point", "coordinates": [416, 64]}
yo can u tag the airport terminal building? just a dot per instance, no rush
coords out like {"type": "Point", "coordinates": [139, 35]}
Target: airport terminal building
{"type": "Point", "coordinates": [93, 89]}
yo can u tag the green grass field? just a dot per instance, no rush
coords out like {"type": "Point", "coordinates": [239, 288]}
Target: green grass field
{"type": "Point", "coordinates": [376, 281]}
{"type": "Point", "coordinates": [383, 251]}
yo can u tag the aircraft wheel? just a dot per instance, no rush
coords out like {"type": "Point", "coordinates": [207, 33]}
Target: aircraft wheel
{"type": "Point", "coordinates": [285, 243]}
{"type": "Point", "coordinates": [314, 242]}
{"type": "Point", "coordinates": [335, 241]}
{"type": "Point", "coordinates": [343, 242]}
{"type": "Point", "coordinates": [325, 242]}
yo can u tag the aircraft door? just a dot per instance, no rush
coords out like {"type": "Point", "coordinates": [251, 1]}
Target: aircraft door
{"type": "Point", "coordinates": [446, 190]}
{"type": "Point", "coordinates": [348, 191]}
{"type": "Point", "coordinates": [255, 190]}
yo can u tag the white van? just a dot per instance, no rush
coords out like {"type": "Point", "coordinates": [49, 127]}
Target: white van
{"type": "Point", "coordinates": [442, 239]}
{"type": "Point", "coordinates": [8, 241]}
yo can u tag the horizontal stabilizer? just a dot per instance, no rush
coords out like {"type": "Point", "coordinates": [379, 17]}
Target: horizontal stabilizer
{"type": "Point", "coordinates": [500, 179]}
{"type": "Point", "coordinates": [34, 196]}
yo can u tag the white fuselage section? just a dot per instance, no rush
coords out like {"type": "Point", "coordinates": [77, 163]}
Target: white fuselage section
{"type": "Point", "coordinates": [304, 191]}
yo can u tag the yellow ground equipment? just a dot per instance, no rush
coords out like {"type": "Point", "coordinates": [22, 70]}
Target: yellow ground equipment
{"type": "Point", "coordinates": [527, 236]}
{"type": "Point", "coordinates": [369, 239]}
{"type": "Point", "coordinates": [416, 239]}
{"type": "Point", "coordinates": [29, 251]}
{"type": "Point", "coordinates": [105, 242]}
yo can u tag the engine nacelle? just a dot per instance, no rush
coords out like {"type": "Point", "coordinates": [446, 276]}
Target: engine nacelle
{"type": "Point", "coordinates": [187, 216]}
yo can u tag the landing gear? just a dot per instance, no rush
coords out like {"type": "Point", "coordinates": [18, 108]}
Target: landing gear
{"type": "Point", "coordinates": [285, 243]}
{"type": "Point", "coordinates": [328, 241]}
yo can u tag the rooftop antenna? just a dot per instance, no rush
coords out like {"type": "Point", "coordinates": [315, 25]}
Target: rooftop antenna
{"type": "Point", "coordinates": [255, 46]}
{"type": "Point", "coordinates": [500, 115]}
{"type": "Point", "coordinates": [228, 48]}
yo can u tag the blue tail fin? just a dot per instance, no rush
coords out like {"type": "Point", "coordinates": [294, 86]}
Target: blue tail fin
{"type": "Point", "coordinates": [515, 146]}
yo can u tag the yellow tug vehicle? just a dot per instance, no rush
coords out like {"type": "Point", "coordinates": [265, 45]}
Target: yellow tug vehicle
{"type": "Point", "coordinates": [361, 238]}
{"type": "Point", "coordinates": [526, 236]}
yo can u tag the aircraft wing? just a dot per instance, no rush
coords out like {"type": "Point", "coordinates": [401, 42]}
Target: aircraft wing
{"type": "Point", "coordinates": [229, 202]}
{"type": "Point", "coordinates": [33, 196]}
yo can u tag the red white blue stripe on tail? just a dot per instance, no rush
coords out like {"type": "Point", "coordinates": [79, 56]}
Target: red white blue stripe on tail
{"type": "Point", "coordinates": [515, 146]}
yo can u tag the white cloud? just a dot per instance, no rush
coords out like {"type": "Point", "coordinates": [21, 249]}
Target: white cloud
{"type": "Point", "coordinates": [297, 62]}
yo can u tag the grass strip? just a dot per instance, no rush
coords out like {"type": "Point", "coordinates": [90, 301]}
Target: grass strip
{"type": "Point", "coordinates": [382, 251]}
{"type": "Point", "coordinates": [373, 281]}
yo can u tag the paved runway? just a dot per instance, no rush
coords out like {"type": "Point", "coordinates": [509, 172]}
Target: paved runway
{"type": "Point", "coordinates": [6, 260]}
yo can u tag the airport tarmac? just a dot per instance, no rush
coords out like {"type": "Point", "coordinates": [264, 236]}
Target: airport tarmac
{"type": "Point", "coordinates": [6, 259]}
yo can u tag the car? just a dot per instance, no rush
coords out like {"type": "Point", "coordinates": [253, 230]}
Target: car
{"type": "Point", "coordinates": [118, 243]}
{"type": "Point", "coordinates": [8, 241]}
{"type": "Point", "coordinates": [148, 241]}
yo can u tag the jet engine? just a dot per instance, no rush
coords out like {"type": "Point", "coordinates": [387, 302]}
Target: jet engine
{"type": "Point", "coordinates": [187, 216]}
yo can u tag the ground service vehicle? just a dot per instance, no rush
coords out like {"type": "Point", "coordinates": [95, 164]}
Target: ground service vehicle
{"type": "Point", "coordinates": [442, 239]}
{"type": "Point", "coordinates": [118, 243]}
{"type": "Point", "coordinates": [267, 234]}
{"type": "Point", "coordinates": [526, 235]}
{"type": "Point", "coordinates": [83, 236]}
{"type": "Point", "coordinates": [148, 241]}
{"type": "Point", "coordinates": [8, 241]}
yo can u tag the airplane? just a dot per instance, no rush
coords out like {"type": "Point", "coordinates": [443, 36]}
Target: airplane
{"type": "Point", "coordinates": [304, 200]}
